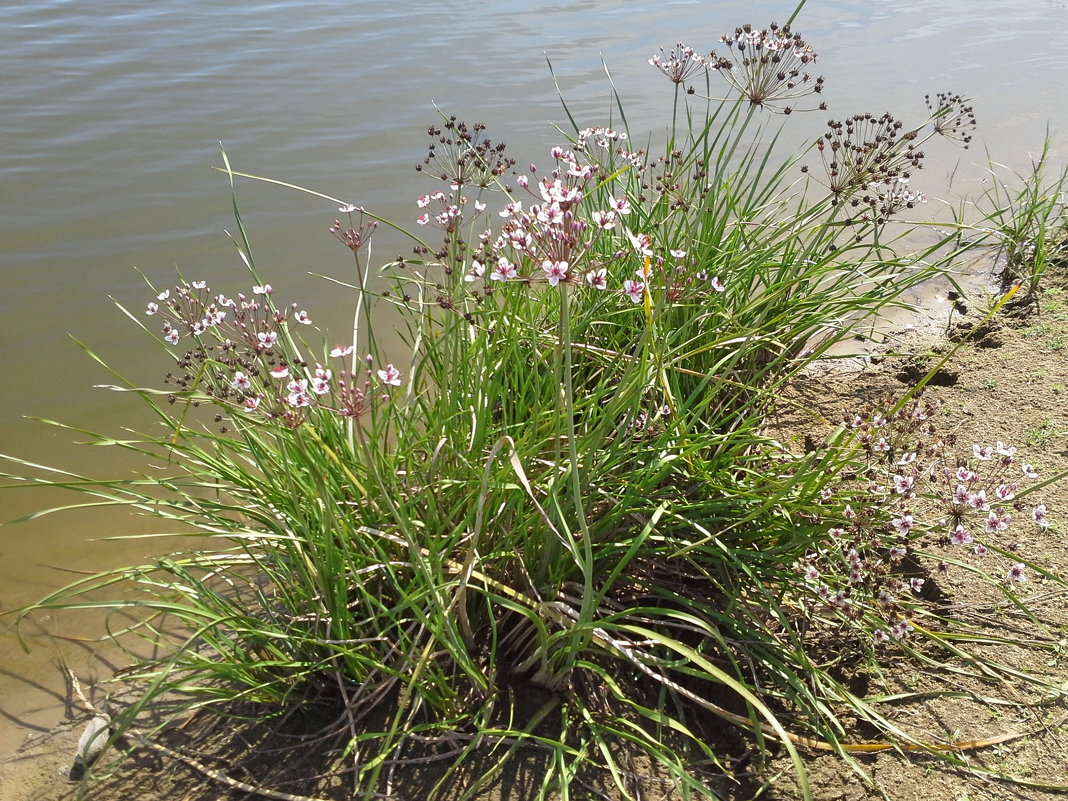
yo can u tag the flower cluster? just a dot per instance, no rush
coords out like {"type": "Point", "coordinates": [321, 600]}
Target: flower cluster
{"type": "Point", "coordinates": [769, 66]}
{"type": "Point", "coordinates": [240, 353]}
{"type": "Point", "coordinates": [683, 64]}
{"type": "Point", "coordinates": [883, 199]}
{"type": "Point", "coordinates": [549, 236]}
{"type": "Point", "coordinates": [864, 149]}
{"type": "Point", "coordinates": [610, 141]}
{"type": "Point", "coordinates": [463, 156]}
{"type": "Point", "coordinates": [868, 567]}
{"type": "Point", "coordinates": [356, 234]}
{"type": "Point", "coordinates": [448, 210]}
{"type": "Point", "coordinates": [951, 116]}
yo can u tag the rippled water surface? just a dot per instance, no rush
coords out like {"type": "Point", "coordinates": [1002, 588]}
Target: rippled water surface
{"type": "Point", "coordinates": [113, 113]}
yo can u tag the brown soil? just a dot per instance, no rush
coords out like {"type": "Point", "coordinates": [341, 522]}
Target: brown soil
{"type": "Point", "coordinates": [1007, 382]}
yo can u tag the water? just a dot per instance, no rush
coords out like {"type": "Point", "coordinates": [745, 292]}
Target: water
{"type": "Point", "coordinates": [113, 113]}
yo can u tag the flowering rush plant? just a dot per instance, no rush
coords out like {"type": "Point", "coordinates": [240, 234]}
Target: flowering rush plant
{"type": "Point", "coordinates": [913, 489]}
{"type": "Point", "coordinates": [567, 482]}
{"type": "Point", "coordinates": [242, 352]}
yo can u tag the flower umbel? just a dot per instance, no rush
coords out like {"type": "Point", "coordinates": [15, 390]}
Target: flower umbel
{"type": "Point", "coordinates": [769, 66]}
{"type": "Point", "coordinates": [682, 63]}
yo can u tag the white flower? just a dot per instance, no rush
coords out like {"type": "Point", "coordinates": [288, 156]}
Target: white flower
{"type": "Point", "coordinates": [597, 278]}
{"type": "Point", "coordinates": [390, 375]}
{"type": "Point", "coordinates": [635, 290]}
{"type": "Point", "coordinates": [642, 243]}
{"type": "Point", "coordinates": [478, 270]}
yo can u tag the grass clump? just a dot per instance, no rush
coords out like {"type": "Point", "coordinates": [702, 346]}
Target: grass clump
{"type": "Point", "coordinates": [563, 488]}
{"type": "Point", "coordinates": [1029, 220]}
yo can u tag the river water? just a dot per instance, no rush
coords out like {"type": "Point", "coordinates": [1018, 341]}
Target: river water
{"type": "Point", "coordinates": [113, 112]}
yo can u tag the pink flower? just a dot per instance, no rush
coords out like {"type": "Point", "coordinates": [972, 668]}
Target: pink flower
{"type": "Point", "coordinates": [241, 381]}
{"type": "Point", "coordinates": [882, 446]}
{"type": "Point", "coordinates": [172, 336]}
{"type": "Point", "coordinates": [1028, 470]}
{"type": "Point", "coordinates": [621, 205]}
{"type": "Point", "coordinates": [299, 399]}
{"type": "Point", "coordinates": [478, 270]}
{"type": "Point", "coordinates": [642, 243]}
{"type": "Point", "coordinates": [504, 271]}
{"type": "Point", "coordinates": [605, 220]}
{"type": "Point", "coordinates": [981, 550]}
{"type": "Point", "coordinates": [198, 284]}
{"type": "Point", "coordinates": [597, 279]}
{"type": "Point", "coordinates": [961, 536]}
{"type": "Point", "coordinates": [982, 452]}
{"type": "Point", "coordinates": [996, 523]}
{"type": "Point", "coordinates": [555, 271]}
{"type": "Point", "coordinates": [903, 484]}
{"type": "Point", "coordinates": [152, 308]}
{"type": "Point", "coordinates": [390, 375]}
{"type": "Point", "coordinates": [266, 339]}
{"type": "Point", "coordinates": [166, 293]}
{"type": "Point", "coordinates": [900, 630]}
{"type": "Point", "coordinates": [580, 170]}
{"type": "Point", "coordinates": [264, 289]}
{"type": "Point", "coordinates": [977, 500]}
{"type": "Point", "coordinates": [1005, 492]}
{"type": "Point", "coordinates": [1016, 573]}
{"type": "Point", "coordinates": [635, 290]}
{"type": "Point", "coordinates": [340, 351]}
{"type": "Point", "coordinates": [320, 385]}
{"type": "Point", "coordinates": [717, 284]}
{"type": "Point", "coordinates": [302, 317]}
{"type": "Point", "coordinates": [903, 524]}
{"type": "Point", "coordinates": [1039, 516]}
{"type": "Point", "coordinates": [280, 372]}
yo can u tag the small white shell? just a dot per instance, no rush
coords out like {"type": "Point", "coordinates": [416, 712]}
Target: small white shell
{"type": "Point", "coordinates": [90, 744]}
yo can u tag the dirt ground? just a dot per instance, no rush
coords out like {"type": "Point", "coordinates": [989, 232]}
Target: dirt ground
{"type": "Point", "coordinates": [1006, 383]}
